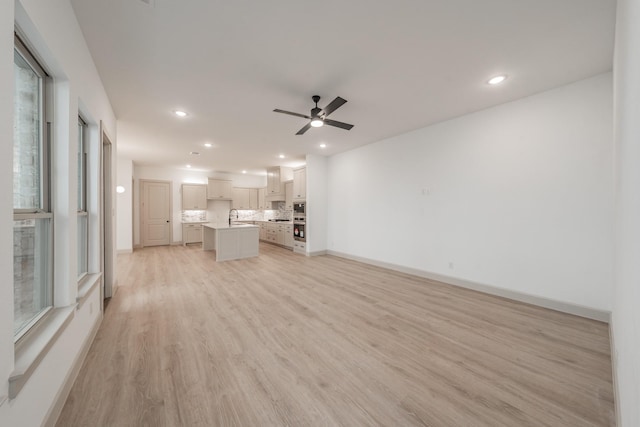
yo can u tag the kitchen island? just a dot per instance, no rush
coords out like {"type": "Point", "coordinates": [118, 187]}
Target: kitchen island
{"type": "Point", "coordinates": [231, 241]}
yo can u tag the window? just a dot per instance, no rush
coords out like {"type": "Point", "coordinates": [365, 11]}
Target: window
{"type": "Point", "coordinates": [32, 215]}
{"type": "Point", "coordinates": [83, 216]}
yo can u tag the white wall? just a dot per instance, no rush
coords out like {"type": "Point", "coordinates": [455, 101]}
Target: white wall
{"type": "Point", "coordinates": [517, 197]}
{"type": "Point", "coordinates": [316, 240]}
{"type": "Point", "coordinates": [124, 208]}
{"type": "Point", "coordinates": [216, 210]}
{"type": "Point", "coordinates": [51, 29]}
{"type": "Point", "coordinates": [626, 296]}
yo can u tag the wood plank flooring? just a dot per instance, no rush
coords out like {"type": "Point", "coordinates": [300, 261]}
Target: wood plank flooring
{"type": "Point", "coordinates": [287, 340]}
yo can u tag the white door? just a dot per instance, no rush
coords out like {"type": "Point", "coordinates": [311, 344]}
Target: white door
{"type": "Point", "coordinates": [156, 212]}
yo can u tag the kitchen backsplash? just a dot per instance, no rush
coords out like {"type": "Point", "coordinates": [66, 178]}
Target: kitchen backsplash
{"type": "Point", "coordinates": [194, 216]}
{"type": "Point", "coordinates": [280, 213]}
{"type": "Point", "coordinates": [246, 215]}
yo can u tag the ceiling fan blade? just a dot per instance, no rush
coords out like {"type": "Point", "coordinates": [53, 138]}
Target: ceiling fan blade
{"type": "Point", "coordinates": [341, 125]}
{"type": "Point", "coordinates": [304, 129]}
{"type": "Point", "coordinates": [334, 105]}
{"type": "Point", "coordinates": [292, 114]}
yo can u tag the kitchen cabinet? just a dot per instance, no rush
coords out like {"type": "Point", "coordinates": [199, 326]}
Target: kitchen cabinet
{"type": "Point", "coordinates": [277, 233]}
{"type": "Point", "coordinates": [262, 204]}
{"type": "Point", "coordinates": [253, 199]}
{"type": "Point", "coordinates": [276, 178]}
{"type": "Point", "coordinates": [194, 197]}
{"type": "Point", "coordinates": [288, 195]}
{"type": "Point", "coordinates": [191, 233]}
{"type": "Point", "coordinates": [219, 189]}
{"type": "Point", "coordinates": [300, 184]}
{"type": "Point", "coordinates": [231, 242]}
{"type": "Point", "coordinates": [241, 198]}
{"type": "Point", "coordinates": [288, 235]}
{"type": "Point", "coordinates": [263, 231]}
{"type": "Point", "coordinates": [299, 247]}
{"type": "Point", "coordinates": [245, 198]}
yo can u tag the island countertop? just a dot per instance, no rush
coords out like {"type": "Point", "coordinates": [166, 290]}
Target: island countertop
{"type": "Point", "coordinates": [227, 226]}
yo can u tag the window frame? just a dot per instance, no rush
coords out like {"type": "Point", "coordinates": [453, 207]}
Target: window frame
{"type": "Point", "coordinates": [82, 208]}
{"type": "Point", "coordinates": [44, 211]}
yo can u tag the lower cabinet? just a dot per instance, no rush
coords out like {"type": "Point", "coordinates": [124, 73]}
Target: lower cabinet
{"type": "Point", "coordinates": [279, 234]}
{"type": "Point", "coordinates": [288, 236]}
{"type": "Point", "coordinates": [191, 233]}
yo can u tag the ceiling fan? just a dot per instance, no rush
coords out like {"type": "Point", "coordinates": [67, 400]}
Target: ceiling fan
{"type": "Point", "coordinates": [318, 116]}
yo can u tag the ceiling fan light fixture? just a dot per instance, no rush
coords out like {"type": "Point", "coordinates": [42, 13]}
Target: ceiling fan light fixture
{"type": "Point", "coordinates": [317, 122]}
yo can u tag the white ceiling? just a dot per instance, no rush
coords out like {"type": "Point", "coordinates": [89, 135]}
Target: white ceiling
{"type": "Point", "coordinates": [401, 65]}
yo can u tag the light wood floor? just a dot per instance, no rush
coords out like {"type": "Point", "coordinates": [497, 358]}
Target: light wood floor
{"type": "Point", "coordinates": [286, 340]}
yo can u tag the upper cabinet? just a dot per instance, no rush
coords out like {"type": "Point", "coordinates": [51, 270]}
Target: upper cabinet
{"type": "Point", "coordinates": [220, 189]}
{"type": "Point", "coordinates": [276, 178]}
{"type": "Point", "coordinates": [194, 196]}
{"type": "Point", "coordinates": [245, 198]}
{"type": "Point", "coordinates": [288, 195]}
{"type": "Point", "coordinates": [300, 184]}
{"type": "Point", "coordinates": [262, 203]}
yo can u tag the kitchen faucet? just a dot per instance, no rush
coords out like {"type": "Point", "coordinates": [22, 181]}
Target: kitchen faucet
{"type": "Point", "coordinates": [237, 215]}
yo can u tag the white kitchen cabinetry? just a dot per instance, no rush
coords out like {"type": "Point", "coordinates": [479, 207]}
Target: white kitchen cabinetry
{"type": "Point", "coordinates": [194, 197]}
{"type": "Point", "coordinates": [262, 204]}
{"type": "Point", "coordinates": [276, 178]}
{"type": "Point", "coordinates": [245, 198]}
{"type": "Point", "coordinates": [277, 233]}
{"type": "Point", "coordinates": [191, 233]}
{"type": "Point", "coordinates": [220, 189]}
{"type": "Point", "coordinates": [300, 184]}
{"type": "Point", "coordinates": [263, 231]}
{"type": "Point", "coordinates": [288, 195]}
{"type": "Point", "coordinates": [288, 235]}
{"type": "Point", "coordinates": [253, 199]}
{"type": "Point", "coordinates": [241, 198]}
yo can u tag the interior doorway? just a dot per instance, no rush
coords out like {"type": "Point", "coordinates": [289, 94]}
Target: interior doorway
{"type": "Point", "coordinates": [155, 212]}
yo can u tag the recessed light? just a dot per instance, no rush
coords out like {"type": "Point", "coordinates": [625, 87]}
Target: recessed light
{"type": "Point", "coordinates": [281, 156]}
{"type": "Point", "coordinates": [497, 79]}
{"type": "Point", "coordinates": [180, 113]}
{"type": "Point", "coordinates": [207, 144]}
{"type": "Point", "coordinates": [244, 171]}
{"type": "Point", "coordinates": [188, 166]}
{"type": "Point", "coordinates": [323, 145]}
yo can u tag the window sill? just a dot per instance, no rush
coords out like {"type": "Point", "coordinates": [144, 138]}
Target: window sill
{"type": "Point", "coordinates": [30, 353]}
{"type": "Point", "coordinates": [86, 285]}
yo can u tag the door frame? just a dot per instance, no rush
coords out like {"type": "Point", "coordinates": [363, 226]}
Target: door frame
{"type": "Point", "coordinates": [141, 208]}
{"type": "Point", "coordinates": [107, 212]}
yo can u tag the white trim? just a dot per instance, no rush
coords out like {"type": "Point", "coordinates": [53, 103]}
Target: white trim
{"type": "Point", "coordinates": [125, 251]}
{"type": "Point", "coordinates": [575, 309]}
{"type": "Point", "coordinates": [86, 286]}
{"type": "Point", "coordinates": [30, 353]}
{"type": "Point", "coordinates": [63, 393]}
{"type": "Point", "coordinates": [317, 253]}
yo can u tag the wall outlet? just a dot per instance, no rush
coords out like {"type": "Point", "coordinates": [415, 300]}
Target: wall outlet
{"type": "Point", "coordinates": [450, 265]}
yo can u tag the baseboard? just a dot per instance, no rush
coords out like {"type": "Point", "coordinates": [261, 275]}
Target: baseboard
{"type": "Point", "coordinates": [124, 251]}
{"type": "Point", "coordinates": [575, 309]}
{"type": "Point", "coordinates": [138, 246]}
{"type": "Point", "coordinates": [317, 253]}
{"type": "Point", "coordinates": [614, 373]}
{"type": "Point", "coordinates": [63, 393]}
